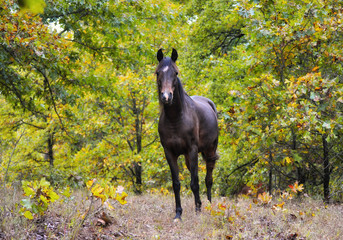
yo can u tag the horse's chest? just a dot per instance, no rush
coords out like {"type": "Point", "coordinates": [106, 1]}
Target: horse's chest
{"type": "Point", "coordinates": [177, 138]}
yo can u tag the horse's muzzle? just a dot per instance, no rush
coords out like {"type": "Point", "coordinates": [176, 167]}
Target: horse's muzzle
{"type": "Point", "coordinates": [167, 98]}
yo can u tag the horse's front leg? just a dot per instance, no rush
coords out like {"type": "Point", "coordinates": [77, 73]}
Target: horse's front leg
{"type": "Point", "coordinates": [174, 168]}
{"type": "Point", "coordinates": [192, 159]}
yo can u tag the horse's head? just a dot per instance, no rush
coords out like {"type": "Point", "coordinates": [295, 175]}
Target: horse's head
{"type": "Point", "coordinates": [166, 73]}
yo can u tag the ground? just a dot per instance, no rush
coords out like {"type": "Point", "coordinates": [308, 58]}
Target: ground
{"type": "Point", "coordinates": [150, 216]}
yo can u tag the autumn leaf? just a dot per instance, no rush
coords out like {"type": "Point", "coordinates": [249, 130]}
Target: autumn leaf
{"type": "Point", "coordinates": [90, 183]}
{"type": "Point", "coordinates": [278, 207]}
{"type": "Point", "coordinates": [264, 198]}
{"type": "Point", "coordinates": [221, 206]}
{"type": "Point", "coordinates": [296, 187]}
{"type": "Point", "coordinates": [97, 191]}
{"type": "Point", "coordinates": [286, 196]}
{"type": "Point", "coordinates": [228, 237]}
{"type": "Point", "coordinates": [28, 215]}
{"type": "Point", "coordinates": [208, 207]}
{"type": "Point", "coordinates": [315, 69]}
{"type": "Point", "coordinates": [121, 198]}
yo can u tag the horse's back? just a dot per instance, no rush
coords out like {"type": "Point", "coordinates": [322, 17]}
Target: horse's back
{"type": "Point", "coordinates": [205, 101]}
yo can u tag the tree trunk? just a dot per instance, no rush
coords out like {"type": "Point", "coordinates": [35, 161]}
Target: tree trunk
{"type": "Point", "coordinates": [326, 166]}
{"type": "Point", "coordinates": [138, 165]}
{"type": "Point", "coordinates": [270, 183]}
{"type": "Point", "coordinates": [50, 149]}
{"type": "Point", "coordinates": [300, 170]}
{"type": "Point", "coordinates": [138, 173]}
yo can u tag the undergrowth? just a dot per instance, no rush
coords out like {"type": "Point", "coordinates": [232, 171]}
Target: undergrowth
{"type": "Point", "coordinates": [149, 216]}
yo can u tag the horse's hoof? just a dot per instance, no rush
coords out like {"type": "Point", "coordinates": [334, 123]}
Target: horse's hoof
{"type": "Point", "coordinates": [177, 218]}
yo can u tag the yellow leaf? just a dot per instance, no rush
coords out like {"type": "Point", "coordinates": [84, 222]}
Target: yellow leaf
{"type": "Point", "coordinates": [221, 206]}
{"type": "Point", "coordinates": [296, 187]}
{"type": "Point", "coordinates": [97, 192]}
{"type": "Point", "coordinates": [89, 184]}
{"type": "Point", "coordinates": [208, 207]}
{"type": "Point", "coordinates": [288, 160]}
{"type": "Point", "coordinates": [278, 207]}
{"type": "Point", "coordinates": [121, 198]}
{"type": "Point", "coordinates": [28, 215]}
{"type": "Point", "coordinates": [315, 69]}
{"type": "Point", "coordinates": [265, 198]}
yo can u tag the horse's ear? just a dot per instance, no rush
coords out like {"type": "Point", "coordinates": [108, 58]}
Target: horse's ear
{"type": "Point", "coordinates": [174, 55]}
{"type": "Point", "coordinates": [159, 55]}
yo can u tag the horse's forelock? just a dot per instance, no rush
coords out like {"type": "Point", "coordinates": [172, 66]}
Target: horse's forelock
{"type": "Point", "coordinates": [167, 62]}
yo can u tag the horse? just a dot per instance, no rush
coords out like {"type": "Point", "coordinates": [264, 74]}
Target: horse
{"type": "Point", "coordinates": [187, 126]}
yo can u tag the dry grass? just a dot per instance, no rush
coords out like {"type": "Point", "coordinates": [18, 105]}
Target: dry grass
{"type": "Point", "coordinates": [151, 217]}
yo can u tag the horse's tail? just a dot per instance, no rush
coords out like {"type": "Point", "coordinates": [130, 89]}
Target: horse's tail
{"type": "Point", "coordinates": [213, 106]}
{"type": "Point", "coordinates": [211, 156]}
{"type": "Point", "coordinates": [216, 156]}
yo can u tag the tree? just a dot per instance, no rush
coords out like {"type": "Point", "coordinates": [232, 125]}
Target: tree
{"type": "Point", "coordinates": [88, 103]}
{"type": "Point", "coordinates": [281, 90]}
{"type": "Point", "coordinates": [34, 61]}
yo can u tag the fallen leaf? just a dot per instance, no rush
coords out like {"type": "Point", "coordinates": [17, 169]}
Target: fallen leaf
{"type": "Point", "coordinates": [292, 236]}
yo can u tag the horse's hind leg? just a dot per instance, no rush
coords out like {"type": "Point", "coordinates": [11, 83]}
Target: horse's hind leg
{"type": "Point", "coordinates": [210, 163]}
{"type": "Point", "coordinates": [209, 178]}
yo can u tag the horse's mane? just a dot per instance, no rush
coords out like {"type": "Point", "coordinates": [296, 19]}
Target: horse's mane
{"type": "Point", "coordinates": [182, 92]}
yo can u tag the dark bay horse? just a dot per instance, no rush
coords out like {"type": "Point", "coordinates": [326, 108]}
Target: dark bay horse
{"type": "Point", "coordinates": [187, 126]}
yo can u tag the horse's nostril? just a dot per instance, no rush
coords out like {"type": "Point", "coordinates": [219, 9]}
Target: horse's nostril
{"type": "Point", "coordinates": [166, 97]}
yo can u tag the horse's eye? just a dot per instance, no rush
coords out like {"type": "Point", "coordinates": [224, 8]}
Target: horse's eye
{"type": "Point", "coordinates": [157, 73]}
{"type": "Point", "coordinates": [176, 73]}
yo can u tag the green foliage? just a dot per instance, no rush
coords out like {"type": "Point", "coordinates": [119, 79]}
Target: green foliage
{"type": "Point", "coordinates": [95, 119]}
{"type": "Point", "coordinates": [40, 195]}
{"type": "Point", "coordinates": [33, 6]}
{"type": "Point", "coordinates": [78, 93]}
{"type": "Point", "coordinates": [279, 89]}
{"type": "Point", "coordinates": [34, 61]}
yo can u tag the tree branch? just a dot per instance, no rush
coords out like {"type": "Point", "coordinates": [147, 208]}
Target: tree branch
{"type": "Point", "coordinates": [53, 100]}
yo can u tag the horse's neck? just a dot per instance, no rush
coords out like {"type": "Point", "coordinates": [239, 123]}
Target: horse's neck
{"type": "Point", "coordinates": [175, 111]}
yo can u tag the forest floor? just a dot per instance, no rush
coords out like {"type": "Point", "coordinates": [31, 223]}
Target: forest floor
{"type": "Point", "coordinates": [150, 216]}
